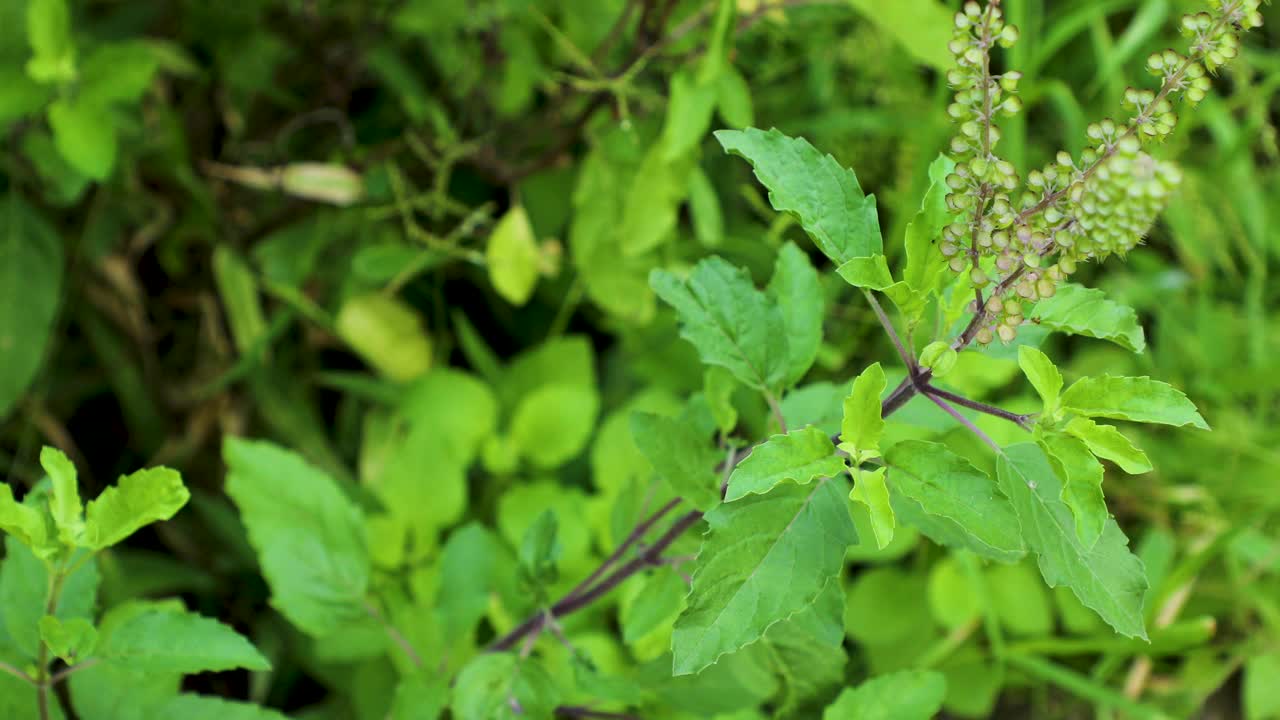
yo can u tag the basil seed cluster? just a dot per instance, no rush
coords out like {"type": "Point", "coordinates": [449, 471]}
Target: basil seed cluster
{"type": "Point", "coordinates": [1074, 209]}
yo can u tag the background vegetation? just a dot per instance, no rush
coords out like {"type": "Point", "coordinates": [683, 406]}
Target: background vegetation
{"type": "Point", "coordinates": [409, 241]}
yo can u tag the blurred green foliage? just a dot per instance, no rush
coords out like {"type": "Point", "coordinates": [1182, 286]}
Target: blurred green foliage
{"type": "Point", "coordinates": [406, 244]}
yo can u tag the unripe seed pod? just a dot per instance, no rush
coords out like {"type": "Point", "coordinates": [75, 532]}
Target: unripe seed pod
{"type": "Point", "coordinates": [1006, 333]}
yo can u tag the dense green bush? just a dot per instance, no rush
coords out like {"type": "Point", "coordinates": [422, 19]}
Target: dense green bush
{"type": "Point", "coordinates": [485, 360]}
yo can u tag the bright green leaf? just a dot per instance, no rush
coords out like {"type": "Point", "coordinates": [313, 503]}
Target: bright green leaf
{"type": "Point", "coordinates": [419, 698]}
{"type": "Point", "coordinates": [24, 592]}
{"type": "Point", "coordinates": [800, 456]}
{"type": "Point", "coordinates": [658, 602]}
{"type": "Point", "coordinates": [71, 640]}
{"type": "Point", "coordinates": [869, 489]}
{"type": "Point", "coordinates": [64, 505]}
{"type": "Point", "coordinates": [733, 99]}
{"type": "Point", "coordinates": [85, 136]}
{"type": "Point", "coordinates": [1081, 476]}
{"type": "Point", "coordinates": [309, 537]}
{"type": "Point", "coordinates": [652, 206]}
{"type": "Point", "coordinates": [49, 33]}
{"type": "Point", "coordinates": [553, 423]}
{"type": "Point", "coordinates": [689, 110]}
{"type": "Point", "coordinates": [764, 559]}
{"type": "Point", "coordinates": [1139, 399]}
{"type": "Point", "coordinates": [729, 321]}
{"type": "Point", "coordinates": [387, 333]}
{"type": "Point", "coordinates": [926, 266]}
{"type": "Point", "coordinates": [118, 72]}
{"type": "Point", "coordinates": [1019, 600]}
{"type": "Point", "coordinates": [957, 497]}
{"type": "Point", "coordinates": [182, 642]}
{"type": "Point", "coordinates": [25, 524]}
{"type": "Point", "coordinates": [1260, 694]}
{"type": "Point", "coordinates": [1107, 578]}
{"type": "Point", "coordinates": [705, 213]}
{"type": "Point", "coordinates": [137, 499]}
{"type": "Point", "coordinates": [1043, 374]}
{"type": "Point", "coordinates": [905, 695]}
{"type": "Point", "coordinates": [795, 289]}
{"type": "Point", "coordinates": [922, 27]}
{"type": "Point", "coordinates": [501, 686]}
{"type": "Point", "coordinates": [1110, 444]}
{"type": "Point", "coordinates": [863, 424]}
{"type": "Point", "coordinates": [822, 195]}
{"type": "Point", "coordinates": [681, 455]}
{"type": "Point", "coordinates": [1086, 311]}
{"type": "Point", "coordinates": [718, 385]}
{"type": "Point", "coordinates": [512, 256]}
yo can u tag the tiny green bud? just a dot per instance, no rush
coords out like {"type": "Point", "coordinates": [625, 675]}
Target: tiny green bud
{"type": "Point", "coordinates": [938, 357]}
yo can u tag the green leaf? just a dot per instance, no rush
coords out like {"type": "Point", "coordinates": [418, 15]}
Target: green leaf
{"type": "Point", "coordinates": [922, 27]}
{"type": "Point", "coordinates": [1110, 444]}
{"type": "Point", "coordinates": [30, 287]}
{"type": "Point", "coordinates": [1106, 578]}
{"type": "Point", "coordinates": [164, 641]}
{"type": "Point", "coordinates": [729, 321]}
{"type": "Point", "coordinates": [1043, 374]}
{"type": "Point", "coordinates": [705, 213]}
{"type": "Point", "coordinates": [869, 489]}
{"type": "Point", "coordinates": [309, 537]}
{"type": "Point", "coordinates": [1260, 694]}
{"type": "Point", "coordinates": [24, 593]}
{"type": "Point", "coordinates": [718, 385]}
{"type": "Point", "coordinates": [85, 136]}
{"type": "Point", "coordinates": [863, 424]}
{"type": "Point", "coordinates": [49, 33]}
{"type": "Point", "coordinates": [1081, 476]}
{"type": "Point", "coordinates": [25, 524]}
{"type": "Point", "coordinates": [905, 695]}
{"type": "Point", "coordinates": [419, 698]}
{"type": "Point", "coordinates": [512, 257]}
{"type": "Point", "coordinates": [1019, 600]}
{"type": "Point", "coordinates": [118, 72]}
{"type": "Point", "coordinates": [764, 559]}
{"type": "Point", "coordinates": [64, 504]}
{"type": "Point", "coordinates": [1139, 399]}
{"type": "Point", "coordinates": [70, 641]}
{"type": "Point", "coordinates": [806, 650]}
{"type": "Point", "coordinates": [681, 455]}
{"type": "Point", "coordinates": [138, 499]}
{"type": "Point", "coordinates": [798, 457]}
{"type": "Point", "coordinates": [553, 423]}
{"type": "Point", "coordinates": [693, 100]}
{"type": "Point", "coordinates": [108, 691]}
{"type": "Point", "coordinates": [540, 550]}
{"type": "Point", "coordinates": [733, 99]}
{"type": "Point", "coordinates": [652, 206]}
{"type": "Point", "coordinates": [207, 707]}
{"type": "Point", "coordinates": [956, 497]}
{"type": "Point", "coordinates": [813, 187]}
{"type": "Point", "coordinates": [658, 603]}
{"type": "Point", "coordinates": [1086, 311]}
{"type": "Point", "coordinates": [387, 333]}
{"type": "Point", "coordinates": [926, 266]}
{"type": "Point", "coordinates": [795, 289]}
{"type": "Point", "coordinates": [501, 686]}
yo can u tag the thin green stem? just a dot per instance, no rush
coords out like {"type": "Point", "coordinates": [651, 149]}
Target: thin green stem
{"type": "Point", "coordinates": [908, 358]}
{"type": "Point", "coordinates": [11, 670]}
{"type": "Point", "coordinates": [963, 420]}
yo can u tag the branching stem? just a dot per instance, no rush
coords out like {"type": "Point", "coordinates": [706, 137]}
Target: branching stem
{"type": "Point", "coordinates": [1022, 421]}
{"type": "Point", "coordinates": [950, 410]}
